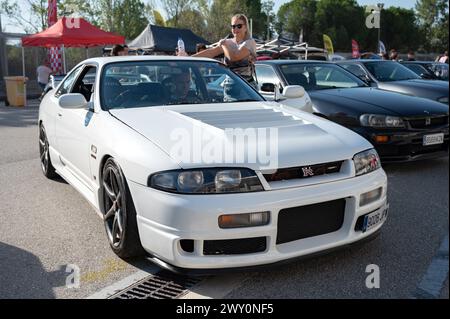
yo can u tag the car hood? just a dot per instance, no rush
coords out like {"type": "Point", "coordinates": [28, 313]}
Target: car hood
{"type": "Point", "coordinates": [295, 138]}
{"type": "Point", "coordinates": [371, 100]}
{"type": "Point", "coordinates": [422, 86]}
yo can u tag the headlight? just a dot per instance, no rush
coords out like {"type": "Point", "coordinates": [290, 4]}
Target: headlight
{"type": "Point", "coordinates": [443, 100]}
{"type": "Point", "coordinates": [366, 162]}
{"type": "Point", "coordinates": [381, 121]}
{"type": "Point", "coordinates": [206, 181]}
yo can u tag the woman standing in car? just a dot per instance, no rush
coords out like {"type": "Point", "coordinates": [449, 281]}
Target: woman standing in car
{"type": "Point", "coordinates": [239, 51]}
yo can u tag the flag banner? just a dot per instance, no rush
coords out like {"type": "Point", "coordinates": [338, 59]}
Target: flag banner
{"type": "Point", "coordinates": [328, 44]}
{"type": "Point", "coordinates": [355, 50]}
{"type": "Point", "coordinates": [54, 53]}
{"type": "Point", "coordinates": [382, 47]}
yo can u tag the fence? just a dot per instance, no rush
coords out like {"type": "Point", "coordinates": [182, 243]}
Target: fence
{"type": "Point", "coordinates": [34, 57]}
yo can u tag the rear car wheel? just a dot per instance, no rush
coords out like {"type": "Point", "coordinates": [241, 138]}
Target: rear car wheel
{"type": "Point", "coordinates": [119, 212]}
{"type": "Point", "coordinates": [44, 152]}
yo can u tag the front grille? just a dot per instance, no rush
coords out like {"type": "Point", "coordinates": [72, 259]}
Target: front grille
{"type": "Point", "coordinates": [303, 172]}
{"type": "Point", "coordinates": [428, 122]}
{"type": "Point", "coordinates": [309, 221]}
{"type": "Point", "coordinates": [234, 246]}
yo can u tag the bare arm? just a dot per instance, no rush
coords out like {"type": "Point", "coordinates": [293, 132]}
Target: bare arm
{"type": "Point", "coordinates": [209, 53]}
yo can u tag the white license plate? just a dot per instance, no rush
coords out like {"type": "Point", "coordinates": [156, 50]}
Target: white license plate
{"type": "Point", "coordinates": [374, 219]}
{"type": "Point", "coordinates": [433, 139]}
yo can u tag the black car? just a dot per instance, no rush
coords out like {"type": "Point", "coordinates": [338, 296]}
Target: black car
{"type": "Point", "coordinates": [401, 127]}
{"type": "Point", "coordinates": [428, 70]}
{"type": "Point", "coordinates": [393, 76]}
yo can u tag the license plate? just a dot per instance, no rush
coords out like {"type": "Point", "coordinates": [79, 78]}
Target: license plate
{"type": "Point", "coordinates": [433, 139]}
{"type": "Point", "coordinates": [374, 219]}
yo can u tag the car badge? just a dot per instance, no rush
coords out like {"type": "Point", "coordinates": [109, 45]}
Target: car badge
{"type": "Point", "coordinates": [307, 171]}
{"type": "Point", "coordinates": [428, 121]}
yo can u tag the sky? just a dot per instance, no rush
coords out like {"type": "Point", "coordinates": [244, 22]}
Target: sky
{"type": "Point", "coordinates": [399, 3]}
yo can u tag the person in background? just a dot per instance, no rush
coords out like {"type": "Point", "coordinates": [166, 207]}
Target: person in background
{"type": "Point", "coordinates": [393, 55]}
{"type": "Point", "coordinates": [200, 47]}
{"type": "Point", "coordinates": [43, 73]}
{"type": "Point", "coordinates": [444, 58]}
{"type": "Point", "coordinates": [239, 51]}
{"type": "Point", "coordinates": [411, 56]}
{"type": "Point", "coordinates": [119, 50]}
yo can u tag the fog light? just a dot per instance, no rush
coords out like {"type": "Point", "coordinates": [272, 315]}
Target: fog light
{"type": "Point", "coordinates": [244, 220]}
{"type": "Point", "coordinates": [381, 138]}
{"type": "Point", "coordinates": [370, 197]}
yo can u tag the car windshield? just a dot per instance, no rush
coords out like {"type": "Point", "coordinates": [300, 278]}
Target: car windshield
{"type": "Point", "coordinates": [158, 83]}
{"type": "Point", "coordinates": [319, 76]}
{"type": "Point", "coordinates": [388, 71]}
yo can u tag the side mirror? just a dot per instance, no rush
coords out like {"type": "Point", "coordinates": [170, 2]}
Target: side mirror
{"type": "Point", "coordinates": [294, 92]}
{"type": "Point", "coordinates": [72, 101]}
{"type": "Point", "coordinates": [426, 76]}
{"type": "Point", "coordinates": [268, 88]}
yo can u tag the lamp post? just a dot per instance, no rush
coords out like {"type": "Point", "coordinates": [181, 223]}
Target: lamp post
{"type": "Point", "coordinates": [380, 7]}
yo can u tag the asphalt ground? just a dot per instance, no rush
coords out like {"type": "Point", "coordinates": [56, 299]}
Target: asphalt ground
{"type": "Point", "coordinates": [47, 225]}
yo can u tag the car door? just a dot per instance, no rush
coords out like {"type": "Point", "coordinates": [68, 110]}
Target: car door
{"type": "Point", "coordinates": [73, 126]}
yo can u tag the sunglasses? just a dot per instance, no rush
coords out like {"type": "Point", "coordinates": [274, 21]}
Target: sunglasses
{"type": "Point", "coordinates": [239, 26]}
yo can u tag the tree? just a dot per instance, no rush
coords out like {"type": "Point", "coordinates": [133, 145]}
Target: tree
{"type": "Point", "coordinates": [342, 20]}
{"type": "Point", "coordinates": [129, 17]}
{"type": "Point", "coordinates": [432, 17]}
{"type": "Point", "coordinates": [191, 19]}
{"type": "Point", "coordinates": [295, 16]}
{"type": "Point", "coordinates": [34, 21]}
{"type": "Point", "coordinates": [175, 9]}
{"type": "Point", "coordinates": [399, 29]}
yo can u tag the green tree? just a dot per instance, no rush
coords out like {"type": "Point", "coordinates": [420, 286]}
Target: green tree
{"type": "Point", "coordinates": [190, 19]}
{"type": "Point", "coordinates": [175, 8]}
{"type": "Point", "coordinates": [399, 29]}
{"type": "Point", "coordinates": [31, 15]}
{"type": "Point", "coordinates": [342, 20]}
{"type": "Point", "coordinates": [129, 17]}
{"type": "Point", "coordinates": [432, 17]}
{"type": "Point", "coordinates": [295, 16]}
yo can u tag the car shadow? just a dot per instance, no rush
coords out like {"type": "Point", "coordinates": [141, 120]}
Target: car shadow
{"type": "Point", "coordinates": [22, 275]}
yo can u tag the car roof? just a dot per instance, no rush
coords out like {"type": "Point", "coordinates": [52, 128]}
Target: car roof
{"type": "Point", "coordinates": [131, 58]}
{"type": "Point", "coordinates": [419, 62]}
{"type": "Point", "coordinates": [363, 61]}
{"type": "Point", "coordinates": [279, 62]}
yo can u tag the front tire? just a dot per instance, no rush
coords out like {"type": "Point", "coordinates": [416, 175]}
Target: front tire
{"type": "Point", "coordinates": [44, 152]}
{"type": "Point", "coordinates": [119, 213]}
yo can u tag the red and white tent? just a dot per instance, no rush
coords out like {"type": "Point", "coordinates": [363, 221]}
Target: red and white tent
{"type": "Point", "coordinates": [72, 32]}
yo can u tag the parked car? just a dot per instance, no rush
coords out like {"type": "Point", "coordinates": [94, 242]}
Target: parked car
{"type": "Point", "coordinates": [428, 70]}
{"type": "Point", "coordinates": [402, 127]}
{"type": "Point", "coordinates": [392, 76]}
{"type": "Point", "coordinates": [140, 154]}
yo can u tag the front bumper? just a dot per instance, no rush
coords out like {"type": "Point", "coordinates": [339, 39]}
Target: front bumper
{"type": "Point", "coordinates": [406, 146]}
{"type": "Point", "coordinates": [164, 219]}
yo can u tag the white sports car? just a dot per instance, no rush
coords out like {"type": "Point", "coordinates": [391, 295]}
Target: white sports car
{"type": "Point", "coordinates": [203, 179]}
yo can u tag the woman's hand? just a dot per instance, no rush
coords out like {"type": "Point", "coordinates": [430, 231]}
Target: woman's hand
{"type": "Point", "coordinates": [223, 42]}
{"type": "Point", "coordinates": [182, 53]}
